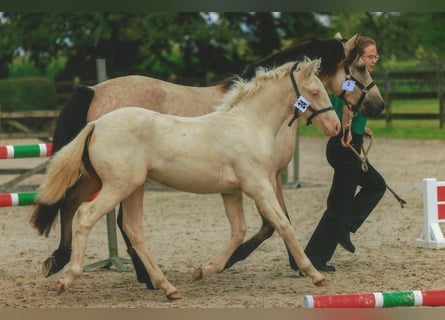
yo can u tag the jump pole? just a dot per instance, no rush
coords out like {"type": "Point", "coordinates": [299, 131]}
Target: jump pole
{"type": "Point", "coordinates": [377, 299]}
{"type": "Point", "coordinates": [17, 199]}
{"type": "Point", "coordinates": [40, 150]}
{"type": "Point", "coordinates": [433, 214]}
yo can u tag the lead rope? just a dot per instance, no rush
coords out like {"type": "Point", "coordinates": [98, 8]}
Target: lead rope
{"type": "Point", "coordinates": [364, 159]}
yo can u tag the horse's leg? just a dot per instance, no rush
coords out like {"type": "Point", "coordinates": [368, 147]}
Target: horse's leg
{"type": "Point", "coordinates": [265, 232]}
{"type": "Point", "coordinates": [233, 204]}
{"type": "Point", "coordinates": [88, 215]}
{"type": "Point", "coordinates": [132, 225]}
{"type": "Point", "coordinates": [61, 256]}
{"type": "Point", "coordinates": [265, 198]}
{"type": "Point", "coordinates": [141, 272]}
{"type": "Point", "coordinates": [280, 197]}
{"type": "Point", "coordinates": [74, 197]}
{"type": "Point", "coordinates": [246, 248]}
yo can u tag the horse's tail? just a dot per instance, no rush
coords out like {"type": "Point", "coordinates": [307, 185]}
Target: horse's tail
{"type": "Point", "coordinates": [63, 171]}
{"type": "Point", "coordinates": [73, 117]}
{"type": "Point", "coordinates": [71, 120]}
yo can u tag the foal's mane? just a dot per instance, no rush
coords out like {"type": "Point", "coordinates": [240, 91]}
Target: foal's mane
{"type": "Point", "coordinates": [242, 88]}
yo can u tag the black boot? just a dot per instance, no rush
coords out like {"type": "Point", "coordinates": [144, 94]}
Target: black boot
{"type": "Point", "coordinates": [346, 243]}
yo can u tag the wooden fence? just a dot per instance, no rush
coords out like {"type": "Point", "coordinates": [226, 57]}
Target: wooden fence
{"type": "Point", "coordinates": [421, 84]}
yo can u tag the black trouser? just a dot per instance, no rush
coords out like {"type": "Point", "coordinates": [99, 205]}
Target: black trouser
{"type": "Point", "coordinates": [346, 209]}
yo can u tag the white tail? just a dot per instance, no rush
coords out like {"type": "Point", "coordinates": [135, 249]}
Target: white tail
{"type": "Point", "coordinates": [64, 169]}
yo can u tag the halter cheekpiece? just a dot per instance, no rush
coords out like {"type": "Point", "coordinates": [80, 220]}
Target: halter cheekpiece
{"type": "Point", "coordinates": [303, 104]}
{"type": "Point", "coordinates": [364, 89]}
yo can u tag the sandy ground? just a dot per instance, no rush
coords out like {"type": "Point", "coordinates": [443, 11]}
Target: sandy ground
{"type": "Point", "coordinates": [186, 230]}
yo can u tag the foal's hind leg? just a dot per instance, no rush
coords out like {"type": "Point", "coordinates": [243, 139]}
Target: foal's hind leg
{"type": "Point", "coordinates": [88, 215]}
{"type": "Point", "coordinates": [233, 204]}
{"type": "Point", "coordinates": [74, 197]}
{"type": "Point", "coordinates": [265, 232]}
{"type": "Point", "coordinates": [132, 225]}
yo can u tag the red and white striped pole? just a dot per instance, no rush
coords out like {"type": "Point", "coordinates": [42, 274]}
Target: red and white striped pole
{"type": "Point", "coordinates": [377, 299]}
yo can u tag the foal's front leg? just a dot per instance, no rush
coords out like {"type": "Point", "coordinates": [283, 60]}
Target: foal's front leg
{"type": "Point", "coordinates": [265, 232]}
{"type": "Point", "coordinates": [269, 207]}
{"type": "Point", "coordinates": [233, 204]}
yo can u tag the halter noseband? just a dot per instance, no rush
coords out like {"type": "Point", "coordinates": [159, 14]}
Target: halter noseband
{"type": "Point", "coordinates": [301, 99]}
{"type": "Point", "coordinates": [364, 89]}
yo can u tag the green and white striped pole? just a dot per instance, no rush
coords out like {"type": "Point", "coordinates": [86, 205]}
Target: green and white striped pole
{"type": "Point", "coordinates": [17, 199]}
{"type": "Point", "coordinates": [40, 150]}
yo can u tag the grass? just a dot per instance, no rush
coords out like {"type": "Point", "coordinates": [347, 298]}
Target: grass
{"type": "Point", "coordinates": [400, 129]}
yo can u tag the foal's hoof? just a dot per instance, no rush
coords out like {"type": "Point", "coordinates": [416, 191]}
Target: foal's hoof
{"type": "Point", "coordinates": [197, 274]}
{"type": "Point", "coordinates": [49, 267]}
{"type": "Point", "coordinates": [60, 287]}
{"type": "Point", "coordinates": [321, 283]}
{"type": "Point", "coordinates": [174, 295]}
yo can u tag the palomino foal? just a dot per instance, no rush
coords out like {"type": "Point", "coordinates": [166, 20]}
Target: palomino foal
{"type": "Point", "coordinates": [169, 149]}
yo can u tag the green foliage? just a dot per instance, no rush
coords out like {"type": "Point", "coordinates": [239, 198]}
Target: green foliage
{"type": "Point", "coordinates": [55, 67]}
{"type": "Point", "coordinates": [22, 67]}
{"type": "Point", "coordinates": [20, 94]}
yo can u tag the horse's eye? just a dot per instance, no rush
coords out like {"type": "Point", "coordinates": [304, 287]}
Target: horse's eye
{"type": "Point", "coordinates": [361, 68]}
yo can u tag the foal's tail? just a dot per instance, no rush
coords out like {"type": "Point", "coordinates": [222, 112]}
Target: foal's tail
{"type": "Point", "coordinates": [63, 171]}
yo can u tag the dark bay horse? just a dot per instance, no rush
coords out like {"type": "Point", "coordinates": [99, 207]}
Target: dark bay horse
{"type": "Point", "coordinates": [89, 103]}
{"type": "Point", "coordinates": [119, 151]}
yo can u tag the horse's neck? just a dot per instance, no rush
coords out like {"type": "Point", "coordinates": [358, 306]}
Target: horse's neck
{"type": "Point", "coordinates": [270, 105]}
{"type": "Point", "coordinates": [332, 83]}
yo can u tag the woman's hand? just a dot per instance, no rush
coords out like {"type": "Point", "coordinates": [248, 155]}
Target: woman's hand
{"type": "Point", "coordinates": [368, 132]}
{"type": "Point", "coordinates": [346, 126]}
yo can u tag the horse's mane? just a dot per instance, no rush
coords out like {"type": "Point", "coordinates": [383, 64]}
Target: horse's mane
{"type": "Point", "coordinates": [242, 87]}
{"type": "Point", "coordinates": [331, 52]}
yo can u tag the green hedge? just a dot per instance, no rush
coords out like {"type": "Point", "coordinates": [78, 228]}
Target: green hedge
{"type": "Point", "coordinates": [22, 94]}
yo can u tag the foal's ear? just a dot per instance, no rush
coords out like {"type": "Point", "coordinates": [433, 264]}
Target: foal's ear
{"type": "Point", "coordinates": [312, 68]}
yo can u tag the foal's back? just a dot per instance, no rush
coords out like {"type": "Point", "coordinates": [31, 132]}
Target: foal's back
{"type": "Point", "coordinates": [189, 154]}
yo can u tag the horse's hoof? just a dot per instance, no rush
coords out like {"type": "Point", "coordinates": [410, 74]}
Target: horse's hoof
{"type": "Point", "coordinates": [49, 267]}
{"type": "Point", "coordinates": [321, 283]}
{"type": "Point", "coordinates": [197, 274]}
{"type": "Point", "coordinates": [60, 287]}
{"type": "Point", "coordinates": [174, 295]}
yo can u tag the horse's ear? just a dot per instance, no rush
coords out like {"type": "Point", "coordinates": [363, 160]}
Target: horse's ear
{"type": "Point", "coordinates": [312, 68]}
{"type": "Point", "coordinates": [338, 36]}
{"type": "Point", "coordinates": [351, 43]}
{"type": "Point", "coordinates": [317, 64]}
